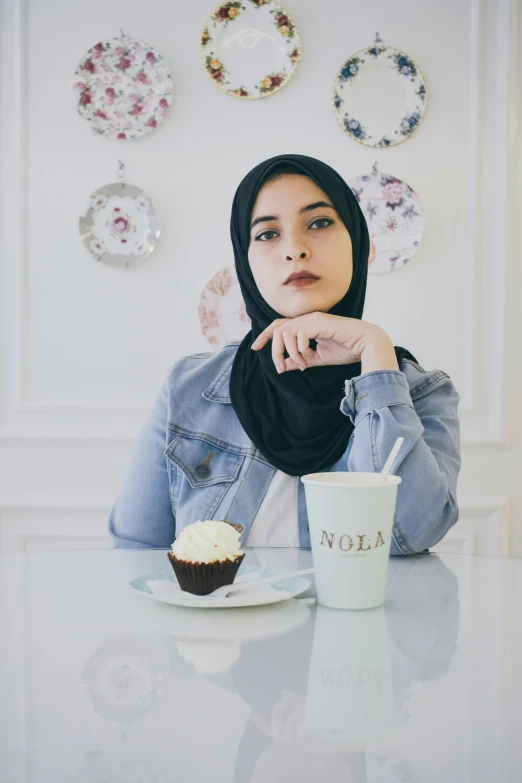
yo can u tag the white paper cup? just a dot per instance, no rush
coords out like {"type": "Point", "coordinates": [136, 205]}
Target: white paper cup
{"type": "Point", "coordinates": [350, 517]}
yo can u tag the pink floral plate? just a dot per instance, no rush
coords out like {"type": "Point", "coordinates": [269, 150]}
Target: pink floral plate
{"type": "Point", "coordinates": [394, 216]}
{"type": "Point", "coordinates": [222, 312]}
{"type": "Point", "coordinates": [123, 88]}
{"type": "Point", "coordinates": [119, 224]}
{"type": "Point", "coordinates": [250, 48]}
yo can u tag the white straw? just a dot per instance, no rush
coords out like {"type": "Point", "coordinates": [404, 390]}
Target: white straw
{"type": "Point", "coordinates": [386, 469]}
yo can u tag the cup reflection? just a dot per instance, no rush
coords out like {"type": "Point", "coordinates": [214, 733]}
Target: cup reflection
{"type": "Point", "coordinates": [350, 691]}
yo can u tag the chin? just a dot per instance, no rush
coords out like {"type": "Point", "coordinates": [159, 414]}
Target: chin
{"type": "Point", "coordinates": [306, 305]}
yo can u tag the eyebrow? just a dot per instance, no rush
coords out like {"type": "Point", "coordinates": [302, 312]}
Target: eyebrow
{"type": "Point", "coordinates": [308, 208]}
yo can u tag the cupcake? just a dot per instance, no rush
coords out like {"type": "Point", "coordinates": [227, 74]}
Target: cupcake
{"type": "Point", "coordinates": [206, 556]}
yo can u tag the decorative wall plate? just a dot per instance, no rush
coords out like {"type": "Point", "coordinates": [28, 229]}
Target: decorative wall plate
{"type": "Point", "coordinates": [394, 216]}
{"type": "Point", "coordinates": [222, 312]}
{"type": "Point", "coordinates": [379, 96]}
{"type": "Point", "coordinates": [124, 88]}
{"type": "Point", "coordinates": [250, 48]}
{"type": "Point", "coordinates": [119, 224]}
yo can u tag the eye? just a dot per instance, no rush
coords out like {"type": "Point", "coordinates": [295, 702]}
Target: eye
{"type": "Point", "coordinates": [326, 222]}
{"type": "Point", "coordinates": [263, 237]}
{"type": "Point", "coordinates": [319, 223]}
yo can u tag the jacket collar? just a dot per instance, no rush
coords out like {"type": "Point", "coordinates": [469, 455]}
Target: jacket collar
{"type": "Point", "coordinates": [219, 389]}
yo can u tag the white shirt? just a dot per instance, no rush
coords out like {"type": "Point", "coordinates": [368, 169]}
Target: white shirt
{"type": "Point", "coordinates": [276, 523]}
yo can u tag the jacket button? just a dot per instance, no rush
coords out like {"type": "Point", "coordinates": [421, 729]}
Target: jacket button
{"type": "Point", "coordinates": [202, 471]}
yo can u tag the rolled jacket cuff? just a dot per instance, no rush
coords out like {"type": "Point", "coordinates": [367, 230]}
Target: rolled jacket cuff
{"type": "Point", "coordinates": [372, 390]}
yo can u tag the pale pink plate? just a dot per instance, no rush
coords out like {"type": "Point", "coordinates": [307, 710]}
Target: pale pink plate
{"type": "Point", "coordinates": [222, 312]}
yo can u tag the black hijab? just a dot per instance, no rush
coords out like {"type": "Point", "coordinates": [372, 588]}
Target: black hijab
{"type": "Point", "coordinates": [294, 418]}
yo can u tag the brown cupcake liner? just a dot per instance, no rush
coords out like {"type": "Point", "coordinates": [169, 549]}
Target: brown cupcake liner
{"type": "Point", "coordinates": [204, 578]}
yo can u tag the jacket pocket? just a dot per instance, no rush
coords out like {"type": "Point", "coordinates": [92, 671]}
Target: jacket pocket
{"type": "Point", "coordinates": [205, 474]}
{"type": "Point", "coordinates": [204, 463]}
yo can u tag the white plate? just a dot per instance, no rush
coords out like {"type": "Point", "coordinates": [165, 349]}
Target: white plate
{"type": "Point", "coordinates": [119, 224]}
{"type": "Point", "coordinates": [124, 88]}
{"type": "Point", "coordinates": [250, 48]}
{"type": "Point", "coordinates": [282, 591]}
{"type": "Point", "coordinates": [394, 216]}
{"type": "Point", "coordinates": [379, 96]}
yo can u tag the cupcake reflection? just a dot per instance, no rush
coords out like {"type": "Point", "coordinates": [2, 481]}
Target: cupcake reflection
{"type": "Point", "coordinates": [211, 644]}
{"type": "Point", "coordinates": [209, 657]}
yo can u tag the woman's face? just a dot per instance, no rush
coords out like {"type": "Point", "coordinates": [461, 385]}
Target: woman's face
{"type": "Point", "coordinates": [295, 229]}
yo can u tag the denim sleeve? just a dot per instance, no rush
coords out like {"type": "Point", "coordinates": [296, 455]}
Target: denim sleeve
{"type": "Point", "coordinates": [380, 406]}
{"type": "Point", "coordinates": [142, 516]}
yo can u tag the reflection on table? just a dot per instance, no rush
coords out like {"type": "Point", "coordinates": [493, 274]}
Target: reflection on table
{"type": "Point", "coordinates": [315, 690]}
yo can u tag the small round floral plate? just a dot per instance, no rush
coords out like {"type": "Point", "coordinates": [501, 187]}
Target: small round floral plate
{"type": "Point", "coordinates": [250, 48]}
{"type": "Point", "coordinates": [123, 87]}
{"type": "Point", "coordinates": [379, 96]}
{"type": "Point", "coordinates": [222, 312]}
{"type": "Point", "coordinates": [395, 219]}
{"type": "Point", "coordinates": [119, 224]}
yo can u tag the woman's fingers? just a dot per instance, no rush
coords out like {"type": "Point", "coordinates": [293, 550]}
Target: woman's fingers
{"type": "Point", "coordinates": [278, 350]}
{"type": "Point", "coordinates": [303, 345]}
{"type": "Point", "coordinates": [291, 365]}
{"type": "Point", "coordinates": [305, 356]}
{"type": "Point", "coordinates": [262, 340]}
{"type": "Point", "coordinates": [267, 334]}
{"type": "Point", "coordinates": [285, 338]}
{"type": "Point", "coordinates": [300, 355]}
{"type": "Point", "coordinates": [290, 340]}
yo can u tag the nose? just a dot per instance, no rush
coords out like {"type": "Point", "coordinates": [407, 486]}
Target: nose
{"type": "Point", "coordinates": [297, 252]}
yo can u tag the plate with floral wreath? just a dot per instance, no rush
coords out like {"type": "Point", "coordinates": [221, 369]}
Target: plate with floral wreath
{"type": "Point", "coordinates": [379, 96]}
{"type": "Point", "coordinates": [250, 48]}
{"type": "Point", "coordinates": [123, 87]}
{"type": "Point", "coordinates": [222, 313]}
{"type": "Point", "coordinates": [119, 224]}
{"type": "Point", "coordinates": [394, 216]}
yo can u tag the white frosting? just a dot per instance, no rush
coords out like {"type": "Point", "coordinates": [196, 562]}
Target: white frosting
{"type": "Point", "coordinates": [207, 542]}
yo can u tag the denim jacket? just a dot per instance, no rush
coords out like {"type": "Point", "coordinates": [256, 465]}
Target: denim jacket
{"type": "Point", "coordinates": [171, 480]}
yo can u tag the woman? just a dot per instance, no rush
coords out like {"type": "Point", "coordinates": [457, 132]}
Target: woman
{"type": "Point", "coordinates": [231, 432]}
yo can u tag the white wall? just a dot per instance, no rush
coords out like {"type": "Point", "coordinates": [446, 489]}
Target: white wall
{"type": "Point", "coordinates": [85, 347]}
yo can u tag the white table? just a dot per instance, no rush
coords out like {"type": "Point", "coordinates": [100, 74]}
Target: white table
{"type": "Point", "coordinates": [101, 684]}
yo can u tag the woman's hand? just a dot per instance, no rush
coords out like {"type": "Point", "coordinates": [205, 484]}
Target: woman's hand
{"type": "Point", "coordinates": [339, 341]}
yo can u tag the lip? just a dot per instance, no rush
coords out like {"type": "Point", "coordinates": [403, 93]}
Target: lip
{"type": "Point", "coordinates": [299, 279]}
{"type": "Point", "coordinates": [302, 282]}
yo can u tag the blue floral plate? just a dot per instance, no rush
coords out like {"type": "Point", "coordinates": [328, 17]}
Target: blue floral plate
{"type": "Point", "coordinates": [379, 96]}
